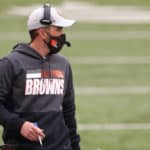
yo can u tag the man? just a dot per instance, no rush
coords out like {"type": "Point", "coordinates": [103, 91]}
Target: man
{"type": "Point", "coordinates": [37, 107]}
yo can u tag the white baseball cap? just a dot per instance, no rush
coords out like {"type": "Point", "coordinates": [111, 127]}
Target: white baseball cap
{"type": "Point", "coordinates": [34, 20]}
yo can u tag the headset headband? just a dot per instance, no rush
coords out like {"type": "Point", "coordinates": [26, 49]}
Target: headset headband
{"type": "Point", "coordinates": [46, 20]}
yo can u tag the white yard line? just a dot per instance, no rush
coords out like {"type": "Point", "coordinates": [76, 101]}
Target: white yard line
{"type": "Point", "coordinates": [119, 126]}
{"type": "Point", "coordinates": [88, 12]}
{"type": "Point", "coordinates": [110, 60]}
{"type": "Point", "coordinates": [108, 35]}
{"type": "Point", "coordinates": [105, 14]}
{"type": "Point", "coordinates": [113, 90]}
{"type": "Point", "coordinates": [94, 35]}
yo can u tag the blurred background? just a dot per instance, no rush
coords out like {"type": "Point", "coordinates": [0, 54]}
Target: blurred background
{"type": "Point", "coordinates": [110, 58]}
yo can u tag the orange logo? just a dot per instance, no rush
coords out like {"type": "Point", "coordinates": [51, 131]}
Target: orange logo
{"type": "Point", "coordinates": [57, 74]}
{"type": "Point", "coordinates": [54, 74]}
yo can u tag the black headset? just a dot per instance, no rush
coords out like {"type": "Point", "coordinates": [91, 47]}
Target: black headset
{"type": "Point", "coordinates": [46, 20]}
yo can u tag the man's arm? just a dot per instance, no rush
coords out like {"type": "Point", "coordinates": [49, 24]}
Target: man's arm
{"type": "Point", "coordinates": [7, 119]}
{"type": "Point", "coordinates": [69, 113]}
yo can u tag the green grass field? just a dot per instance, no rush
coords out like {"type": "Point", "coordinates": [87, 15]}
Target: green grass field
{"type": "Point", "coordinates": [100, 108]}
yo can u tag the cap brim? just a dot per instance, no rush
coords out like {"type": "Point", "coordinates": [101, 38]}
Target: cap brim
{"type": "Point", "coordinates": [64, 22]}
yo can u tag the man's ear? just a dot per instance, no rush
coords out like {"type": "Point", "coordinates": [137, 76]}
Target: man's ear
{"type": "Point", "coordinates": [42, 34]}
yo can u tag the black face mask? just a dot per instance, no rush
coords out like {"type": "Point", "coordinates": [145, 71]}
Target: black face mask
{"type": "Point", "coordinates": [55, 44]}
